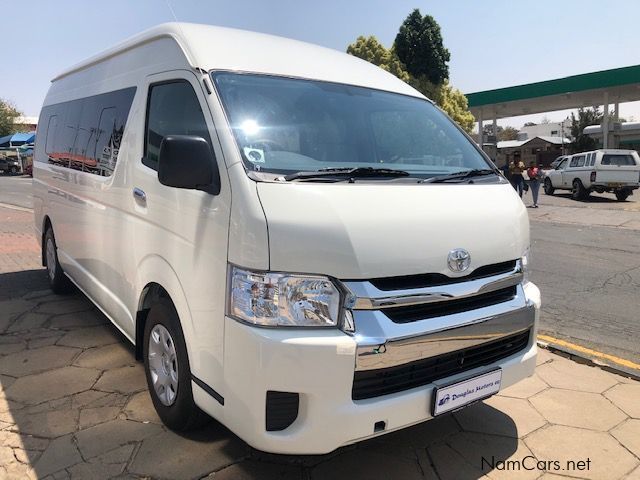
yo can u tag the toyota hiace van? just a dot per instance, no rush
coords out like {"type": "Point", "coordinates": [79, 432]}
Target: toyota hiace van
{"type": "Point", "coordinates": [297, 243]}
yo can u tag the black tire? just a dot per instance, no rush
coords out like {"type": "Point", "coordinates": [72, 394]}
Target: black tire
{"type": "Point", "coordinates": [13, 170]}
{"type": "Point", "coordinates": [58, 281]}
{"type": "Point", "coordinates": [182, 414]}
{"type": "Point", "coordinates": [622, 195]}
{"type": "Point", "coordinates": [548, 187]}
{"type": "Point", "coordinates": [578, 192]}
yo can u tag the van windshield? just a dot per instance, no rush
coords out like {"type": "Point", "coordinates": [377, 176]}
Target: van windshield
{"type": "Point", "coordinates": [285, 126]}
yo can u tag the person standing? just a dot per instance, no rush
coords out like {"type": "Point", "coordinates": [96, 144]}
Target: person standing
{"type": "Point", "coordinates": [516, 168]}
{"type": "Point", "coordinates": [534, 174]}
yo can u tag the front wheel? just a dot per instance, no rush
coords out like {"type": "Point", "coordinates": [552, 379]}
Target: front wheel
{"type": "Point", "coordinates": [548, 187]}
{"type": "Point", "coordinates": [622, 195]}
{"type": "Point", "coordinates": [13, 170]}
{"type": "Point", "coordinates": [166, 366]}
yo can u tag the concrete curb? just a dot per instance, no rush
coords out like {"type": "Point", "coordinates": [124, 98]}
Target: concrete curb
{"type": "Point", "coordinates": [586, 360]}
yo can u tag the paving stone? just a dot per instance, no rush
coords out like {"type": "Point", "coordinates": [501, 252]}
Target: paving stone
{"type": "Point", "coordinates": [628, 434]}
{"type": "Point", "coordinates": [512, 417]}
{"type": "Point", "coordinates": [95, 470]}
{"type": "Point", "coordinates": [563, 373]}
{"type": "Point", "coordinates": [608, 459]}
{"type": "Point", "coordinates": [577, 409]}
{"type": "Point", "coordinates": [89, 337]}
{"type": "Point", "coordinates": [28, 321]}
{"type": "Point", "coordinates": [106, 357]}
{"type": "Point", "coordinates": [525, 388]}
{"type": "Point", "coordinates": [356, 464]}
{"type": "Point", "coordinates": [171, 456]}
{"type": "Point", "coordinates": [65, 305]}
{"type": "Point", "coordinates": [5, 382]}
{"type": "Point", "coordinates": [626, 397]}
{"type": "Point", "coordinates": [24, 442]}
{"type": "Point", "coordinates": [89, 318]}
{"type": "Point", "coordinates": [404, 442]}
{"type": "Point", "coordinates": [53, 384]}
{"type": "Point", "coordinates": [63, 403]}
{"type": "Point", "coordinates": [61, 453]}
{"type": "Point", "coordinates": [493, 454]}
{"type": "Point", "coordinates": [251, 470]}
{"type": "Point", "coordinates": [41, 295]}
{"type": "Point", "coordinates": [106, 399]}
{"type": "Point", "coordinates": [95, 416]}
{"type": "Point", "coordinates": [140, 408]}
{"type": "Point", "coordinates": [49, 424]}
{"type": "Point", "coordinates": [545, 356]}
{"type": "Point", "coordinates": [10, 309]}
{"type": "Point", "coordinates": [29, 362]}
{"type": "Point", "coordinates": [43, 339]}
{"type": "Point", "coordinates": [9, 345]}
{"type": "Point", "coordinates": [85, 399]}
{"type": "Point", "coordinates": [450, 465]}
{"type": "Point", "coordinates": [123, 380]}
{"type": "Point", "coordinates": [635, 475]}
{"type": "Point", "coordinates": [110, 435]}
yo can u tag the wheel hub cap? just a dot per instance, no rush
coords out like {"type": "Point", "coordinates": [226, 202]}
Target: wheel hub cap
{"type": "Point", "coordinates": [163, 365]}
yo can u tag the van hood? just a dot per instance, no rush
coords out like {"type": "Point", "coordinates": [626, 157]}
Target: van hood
{"type": "Point", "coordinates": [363, 230]}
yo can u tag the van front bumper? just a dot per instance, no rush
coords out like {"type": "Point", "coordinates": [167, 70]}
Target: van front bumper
{"type": "Point", "coordinates": [319, 365]}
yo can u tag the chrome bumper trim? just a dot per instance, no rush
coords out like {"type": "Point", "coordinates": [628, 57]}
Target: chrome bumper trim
{"type": "Point", "coordinates": [382, 343]}
{"type": "Point", "coordinates": [365, 296]}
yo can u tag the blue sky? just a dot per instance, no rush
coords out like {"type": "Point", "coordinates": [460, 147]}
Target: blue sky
{"type": "Point", "coordinates": [493, 43]}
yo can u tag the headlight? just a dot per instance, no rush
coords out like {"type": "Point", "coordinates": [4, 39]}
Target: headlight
{"type": "Point", "coordinates": [524, 261]}
{"type": "Point", "coordinates": [283, 300]}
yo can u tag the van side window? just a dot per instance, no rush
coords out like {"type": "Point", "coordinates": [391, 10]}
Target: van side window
{"type": "Point", "coordinates": [85, 134]}
{"type": "Point", "coordinates": [172, 109]}
{"type": "Point", "coordinates": [580, 161]}
{"type": "Point", "coordinates": [574, 162]}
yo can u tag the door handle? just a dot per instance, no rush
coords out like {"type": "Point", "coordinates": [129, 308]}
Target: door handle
{"type": "Point", "coordinates": [139, 195]}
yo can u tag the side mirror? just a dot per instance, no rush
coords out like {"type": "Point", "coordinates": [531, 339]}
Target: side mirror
{"type": "Point", "coordinates": [186, 161]}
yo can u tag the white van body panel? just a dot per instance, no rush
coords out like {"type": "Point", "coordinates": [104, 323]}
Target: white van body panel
{"type": "Point", "coordinates": [358, 233]}
{"type": "Point", "coordinates": [115, 247]}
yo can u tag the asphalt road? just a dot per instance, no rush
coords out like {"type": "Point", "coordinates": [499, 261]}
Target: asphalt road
{"type": "Point", "coordinates": [589, 275]}
{"type": "Point", "coordinates": [16, 190]}
{"type": "Point", "coordinates": [590, 282]}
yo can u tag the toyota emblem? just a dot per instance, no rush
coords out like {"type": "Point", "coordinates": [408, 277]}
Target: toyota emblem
{"type": "Point", "coordinates": [458, 260]}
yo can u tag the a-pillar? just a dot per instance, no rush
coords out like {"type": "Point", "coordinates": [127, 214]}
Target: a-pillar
{"type": "Point", "coordinates": [480, 135]}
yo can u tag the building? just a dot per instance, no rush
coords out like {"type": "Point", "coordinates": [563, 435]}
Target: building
{"type": "Point", "coordinates": [557, 129]}
{"type": "Point", "coordinates": [542, 150]}
{"type": "Point", "coordinates": [621, 135]}
{"type": "Point", "coordinates": [26, 124]}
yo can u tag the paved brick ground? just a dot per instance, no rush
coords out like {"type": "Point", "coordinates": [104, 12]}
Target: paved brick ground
{"type": "Point", "coordinates": [73, 404]}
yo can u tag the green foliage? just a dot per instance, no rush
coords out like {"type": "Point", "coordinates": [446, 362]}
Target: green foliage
{"type": "Point", "coordinates": [419, 47]}
{"type": "Point", "coordinates": [371, 50]}
{"type": "Point", "coordinates": [507, 133]}
{"type": "Point", "coordinates": [451, 100]}
{"type": "Point", "coordinates": [586, 117]}
{"type": "Point", "coordinates": [8, 115]}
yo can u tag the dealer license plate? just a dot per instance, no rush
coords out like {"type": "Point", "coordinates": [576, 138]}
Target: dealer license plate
{"type": "Point", "coordinates": [465, 392]}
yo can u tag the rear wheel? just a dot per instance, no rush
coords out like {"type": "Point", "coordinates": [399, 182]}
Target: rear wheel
{"type": "Point", "coordinates": [13, 170]}
{"type": "Point", "coordinates": [578, 192]}
{"type": "Point", "coordinates": [622, 195]}
{"type": "Point", "coordinates": [548, 187]}
{"type": "Point", "coordinates": [166, 366]}
{"type": "Point", "coordinates": [58, 281]}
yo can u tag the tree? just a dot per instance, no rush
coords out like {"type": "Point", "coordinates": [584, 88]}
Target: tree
{"type": "Point", "coordinates": [419, 47]}
{"type": "Point", "coordinates": [586, 117]}
{"type": "Point", "coordinates": [8, 116]}
{"type": "Point", "coordinates": [371, 50]}
{"type": "Point", "coordinates": [507, 133]}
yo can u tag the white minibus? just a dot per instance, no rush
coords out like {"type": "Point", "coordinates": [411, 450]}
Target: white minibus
{"type": "Point", "coordinates": [298, 244]}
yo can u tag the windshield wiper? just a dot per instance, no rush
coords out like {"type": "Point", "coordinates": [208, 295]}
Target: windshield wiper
{"type": "Point", "coordinates": [348, 173]}
{"type": "Point", "coordinates": [460, 175]}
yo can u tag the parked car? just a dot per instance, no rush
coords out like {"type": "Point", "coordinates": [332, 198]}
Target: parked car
{"type": "Point", "coordinates": [615, 171]}
{"type": "Point", "coordinates": [297, 242]}
{"type": "Point", "coordinates": [9, 165]}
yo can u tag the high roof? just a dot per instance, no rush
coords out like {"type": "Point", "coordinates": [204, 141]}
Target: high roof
{"type": "Point", "coordinates": [622, 85]}
{"type": "Point", "coordinates": [208, 47]}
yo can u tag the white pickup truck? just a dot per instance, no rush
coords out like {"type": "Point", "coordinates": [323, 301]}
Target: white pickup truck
{"type": "Point", "coordinates": [616, 171]}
